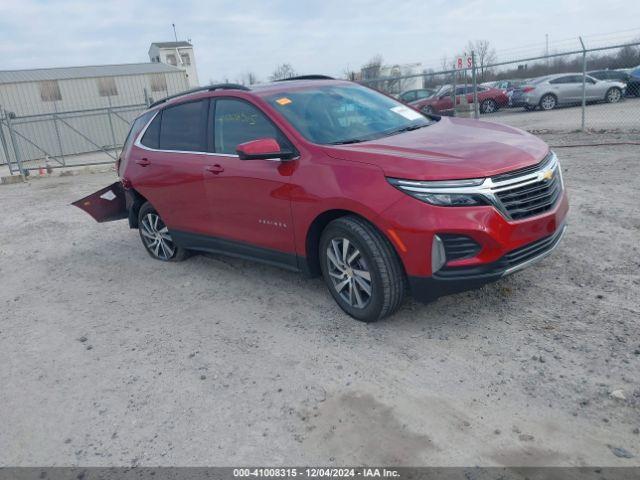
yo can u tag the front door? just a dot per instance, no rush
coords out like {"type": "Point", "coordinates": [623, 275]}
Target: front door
{"type": "Point", "coordinates": [249, 200]}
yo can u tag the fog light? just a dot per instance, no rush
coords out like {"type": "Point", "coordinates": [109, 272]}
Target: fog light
{"type": "Point", "coordinates": [438, 255]}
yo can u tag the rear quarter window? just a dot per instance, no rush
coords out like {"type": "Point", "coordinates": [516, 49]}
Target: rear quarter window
{"type": "Point", "coordinates": [151, 137]}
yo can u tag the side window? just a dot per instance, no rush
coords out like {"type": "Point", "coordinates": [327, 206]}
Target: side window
{"type": "Point", "coordinates": [236, 122]}
{"type": "Point", "coordinates": [151, 137]}
{"type": "Point", "coordinates": [409, 96]}
{"type": "Point", "coordinates": [184, 126]}
{"type": "Point", "coordinates": [556, 81]}
{"type": "Point", "coordinates": [422, 94]}
{"type": "Point", "coordinates": [138, 124]}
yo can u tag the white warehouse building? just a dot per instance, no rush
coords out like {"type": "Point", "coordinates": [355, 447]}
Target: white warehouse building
{"type": "Point", "coordinates": [56, 112]}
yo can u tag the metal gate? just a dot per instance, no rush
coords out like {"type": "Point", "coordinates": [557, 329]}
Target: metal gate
{"type": "Point", "coordinates": [64, 139]}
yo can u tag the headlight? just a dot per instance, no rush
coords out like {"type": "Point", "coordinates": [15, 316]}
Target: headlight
{"type": "Point", "coordinates": [443, 193]}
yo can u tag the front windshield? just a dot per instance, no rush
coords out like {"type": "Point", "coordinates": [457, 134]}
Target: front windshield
{"type": "Point", "coordinates": [444, 89]}
{"type": "Point", "coordinates": [337, 114]}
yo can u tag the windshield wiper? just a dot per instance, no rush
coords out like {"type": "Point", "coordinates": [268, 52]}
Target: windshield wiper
{"type": "Point", "coordinates": [347, 141]}
{"type": "Point", "coordinates": [408, 129]}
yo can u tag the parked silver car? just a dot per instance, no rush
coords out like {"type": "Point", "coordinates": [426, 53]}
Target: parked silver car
{"type": "Point", "coordinates": [566, 88]}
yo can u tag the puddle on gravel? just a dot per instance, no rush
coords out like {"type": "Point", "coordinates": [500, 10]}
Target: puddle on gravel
{"type": "Point", "coordinates": [355, 428]}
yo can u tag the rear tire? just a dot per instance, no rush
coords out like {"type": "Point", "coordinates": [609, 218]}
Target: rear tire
{"type": "Point", "coordinates": [361, 269]}
{"type": "Point", "coordinates": [489, 106]}
{"type": "Point", "coordinates": [614, 94]}
{"type": "Point", "coordinates": [429, 110]}
{"type": "Point", "coordinates": [156, 238]}
{"type": "Point", "coordinates": [548, 102]}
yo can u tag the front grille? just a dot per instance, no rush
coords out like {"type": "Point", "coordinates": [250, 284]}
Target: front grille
{"type": "Point", "coordinates": [521, 194]}
{"type": "Point", "coordinates": [457, 247]}
{"type": "Point", "coordinates": [531, 199]}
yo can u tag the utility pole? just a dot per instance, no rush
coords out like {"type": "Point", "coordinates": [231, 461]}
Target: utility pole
{"type": "Point", "coordinates": [546, 35]}
{"type": "Point", "coordinates": [175, 35]}
{"type": "Point", "coordinates": [584, 82]}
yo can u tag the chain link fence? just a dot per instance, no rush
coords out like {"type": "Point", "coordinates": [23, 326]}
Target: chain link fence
{"type": "Point", "coordinates": [592, 90]}
{"type": "Point", "coordinates": [55, 140]}
{"type": "Point", "coordinates": [48, 124]}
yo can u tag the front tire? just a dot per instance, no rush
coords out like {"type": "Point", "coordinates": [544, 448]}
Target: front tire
{"type": "Point", "coordinates": [361, 269]}
{"type": "Point", "coordinates": [156, 238]}
{"type": "Point", "coordinates": [613, 95]}
{"type": "Point", "coordinates": [429, 110]}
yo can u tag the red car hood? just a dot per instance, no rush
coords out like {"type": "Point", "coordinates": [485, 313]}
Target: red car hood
{"type": "Point", "coordinates": [453, 148]}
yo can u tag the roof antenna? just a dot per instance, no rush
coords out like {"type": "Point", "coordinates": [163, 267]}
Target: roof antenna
{"type": "Point", "coordinates": [175, 35]}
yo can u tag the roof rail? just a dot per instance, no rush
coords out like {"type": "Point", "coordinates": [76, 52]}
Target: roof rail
{"type": "Point", "coordinates": [216, 86]}
{"type": "Point", "coordinates": [307, 77]}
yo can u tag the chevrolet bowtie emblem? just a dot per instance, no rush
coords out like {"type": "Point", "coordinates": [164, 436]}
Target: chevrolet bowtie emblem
{"type": "Point", "coordinates": [547, 175]}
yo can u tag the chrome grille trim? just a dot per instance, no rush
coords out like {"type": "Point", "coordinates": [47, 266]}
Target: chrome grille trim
{"type": "Point", "coordinates": [494, 187]}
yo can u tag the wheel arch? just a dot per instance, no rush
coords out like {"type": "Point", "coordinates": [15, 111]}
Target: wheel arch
{"type": "Point", "coordinates": [614, 87]}
{"type": "Point", "coordinates": [134, 200]}
{"type": "Point", "coordinates": [547, 94]}
{"type": "Point", "coordinates": [314, 232]}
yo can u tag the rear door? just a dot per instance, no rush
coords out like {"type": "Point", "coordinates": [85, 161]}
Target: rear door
{"type": "Point", "coordinates": [167, 165]}
{"type": "Point", "coordinates": [566, 88]}
{"type": "Point", "coordinates": [248, 200]}
{"type": "Point", "coordinates": [594, 90]}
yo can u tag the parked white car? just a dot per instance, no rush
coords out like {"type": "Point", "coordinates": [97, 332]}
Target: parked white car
{"type": "Point", "coordinates": [566, 88]}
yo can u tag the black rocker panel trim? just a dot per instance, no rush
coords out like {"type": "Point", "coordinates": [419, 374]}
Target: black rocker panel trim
{"type": "Point", "coordinates": [232, 248]}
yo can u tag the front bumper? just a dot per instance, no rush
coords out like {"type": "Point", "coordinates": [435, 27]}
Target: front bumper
{"type": "Point", "coordinates": [458, 279]}
{"type": "Point", "coordinates": [504, 245]}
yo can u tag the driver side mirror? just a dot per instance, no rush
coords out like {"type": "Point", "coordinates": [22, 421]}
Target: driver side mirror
{"type": "Point", "coordinates": [262, 149]}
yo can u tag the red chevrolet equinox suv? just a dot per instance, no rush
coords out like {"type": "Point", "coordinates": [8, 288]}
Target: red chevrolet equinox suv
{"type": "Point", "coordinates": [331, 178]}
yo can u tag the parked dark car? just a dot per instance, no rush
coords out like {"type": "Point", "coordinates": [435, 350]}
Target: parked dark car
{"type": "Point", "coordinates": [633, 83]}
{"type": "Point", "coordinates": [415, 95]}
{"type": "Point", "coordinates": [617, 75]}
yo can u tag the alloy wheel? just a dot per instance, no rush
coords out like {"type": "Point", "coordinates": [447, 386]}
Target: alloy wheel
{"type": "Point", "coordinates": [613, 96]}
{"type": "Point", "coordinates": [489, 106]}
{"type": "Point", "coordinates": [156, 237]}
{"type": "Point", "coordinates": [349, 272]}
{"type": "Point", "coordinates": [548, 102]}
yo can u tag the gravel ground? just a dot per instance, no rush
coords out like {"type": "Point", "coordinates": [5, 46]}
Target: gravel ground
{"type": "Point", "coordinates": [110, 358]}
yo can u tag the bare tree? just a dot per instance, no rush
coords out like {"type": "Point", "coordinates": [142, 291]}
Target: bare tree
{"type": "Point", "coordinates": [445, 63]}
{"type": "Point", "coordinates": [350, 74]}
{"type": "Point", "coordinates": [485, 55]}
{"type": "Point", "coordinates": [248, 78]}
{"type": "Point", "coordinates": [372, 68]}
{"type": "Point", "coordinates": [628, 56]}
{"type": "Point", "coordinates": [282, 71]}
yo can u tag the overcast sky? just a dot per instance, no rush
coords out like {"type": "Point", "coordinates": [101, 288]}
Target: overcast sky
{"type": "Point", "coordinates": [327, 36]}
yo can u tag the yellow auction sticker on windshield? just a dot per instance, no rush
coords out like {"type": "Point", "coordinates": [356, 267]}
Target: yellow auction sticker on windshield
{"type": "Point", "coordinates": [283, 101]}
